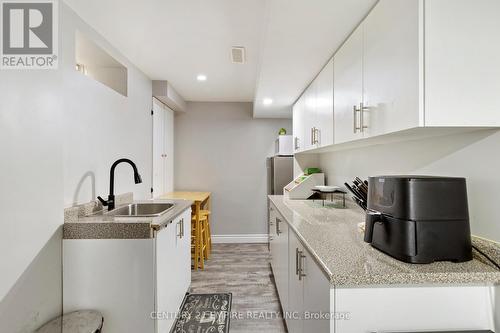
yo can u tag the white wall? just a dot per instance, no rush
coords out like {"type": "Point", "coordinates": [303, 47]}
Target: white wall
{"type": "Point", "coordinates": [220, 148]}
{"type": "Point", "coordinates": [31, 200]}
{"type": "Point", "coordinates": [101, 125]}
{"type": "Point", "coordinates": [472, 155]}
{"type": "Point", "coordinates": [56, 150]}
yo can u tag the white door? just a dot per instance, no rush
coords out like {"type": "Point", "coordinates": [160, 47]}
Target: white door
{"type": "Point", "coordinates": [316, 295]}
{"type": "Point", "coordinates": [163, 149]}
{"type": "Point", "coordinates": [324, 106]}
{"type": "Point", "coordinates": [391, 67]}
{"type": "Point", "coordinates": [348, 92]}
{"type": "Point", "coordinates": [295, 286]}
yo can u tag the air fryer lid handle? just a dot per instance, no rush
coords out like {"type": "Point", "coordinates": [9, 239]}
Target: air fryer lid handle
{"type": "Point", "coordinates": [371, 218]}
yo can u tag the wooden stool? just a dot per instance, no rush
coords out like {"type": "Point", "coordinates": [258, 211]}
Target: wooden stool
{"type": "Point", "coordinates": [198, 241]}
{"type": "Point", "coordinates": [208, 235]}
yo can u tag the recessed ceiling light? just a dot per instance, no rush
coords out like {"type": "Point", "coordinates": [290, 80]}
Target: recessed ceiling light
{"type": "Point", "coordinates": [267, 101]}
{"type": "Point", "coordinates": [201, 77]}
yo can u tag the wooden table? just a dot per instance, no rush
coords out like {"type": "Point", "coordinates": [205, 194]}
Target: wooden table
{"type": "Point", "coordinates": [201, 201]}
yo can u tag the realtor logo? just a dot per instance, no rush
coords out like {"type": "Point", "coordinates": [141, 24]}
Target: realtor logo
{"type": "Point", "coordinates": [29, 34]}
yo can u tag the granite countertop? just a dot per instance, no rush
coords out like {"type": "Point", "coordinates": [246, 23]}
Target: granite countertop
{"type": "Point", "coordinates": [95, 225]}
{"type": "Point", "coordinates": [334, 239]}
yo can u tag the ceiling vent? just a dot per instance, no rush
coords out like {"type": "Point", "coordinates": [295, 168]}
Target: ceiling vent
{"type": "Point", "coordinates": [238, 55]}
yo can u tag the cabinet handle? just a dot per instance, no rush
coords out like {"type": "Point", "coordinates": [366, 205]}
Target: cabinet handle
{"type": "Point", "coordinates": [278, 231]}
{"type": "Point", "coordinates": [301, 269]}
{"type": "Point", "coordinates": [316, 135]}
{"type": "Point", "coordinates": [355, 126]}
{"type": "Point", "coordinates": [297, 261]}
{"type": "Point", "coordinates": [312, 135]}
{"type": "Point", "coordinates": [362, 110]}
{"type": "Point", "coordinates": [296, 143]}
{"type": "Point", "coordinates": [270, 238]}
{"type": "Point", "coordinates": [181, 229]}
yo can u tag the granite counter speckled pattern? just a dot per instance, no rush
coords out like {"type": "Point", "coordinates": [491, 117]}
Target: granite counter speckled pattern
{"type": "Point", "coordinates": [101, 226]}
{"type": "Point", "coordinates": [333, 238]}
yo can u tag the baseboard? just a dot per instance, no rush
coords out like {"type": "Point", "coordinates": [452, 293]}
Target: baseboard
{"type": "Point", "coordinates": [242, 238]}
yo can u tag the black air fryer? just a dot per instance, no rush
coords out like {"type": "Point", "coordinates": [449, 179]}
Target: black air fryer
{"type": "Point", "coordinates": [419, 219]}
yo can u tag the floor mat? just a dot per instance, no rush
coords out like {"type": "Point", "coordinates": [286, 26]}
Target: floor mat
{"type": "Point", "coordinates": [204, 313]}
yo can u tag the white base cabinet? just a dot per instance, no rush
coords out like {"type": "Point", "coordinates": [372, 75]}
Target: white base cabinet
{"type": "Point", "coordinates": [279, 255]}
{"type": "Point", "coordinates": [137, 284]}
{"type": "Point", "coordinates": [414, 309]}
{"type": "Point", "coordinates": [302, 287]}
{"type": "Point", "coordinates": [309, 297]}
{"type": "Point", "coordinates": [312, 304]}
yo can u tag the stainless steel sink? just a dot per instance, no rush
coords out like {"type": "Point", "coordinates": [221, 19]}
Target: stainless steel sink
{"type": "Point", "coordinates": [141, 209]}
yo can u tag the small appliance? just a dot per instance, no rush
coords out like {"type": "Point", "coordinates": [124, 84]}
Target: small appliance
{"type": "Point", "coordinates": [419, 219]}
{"type": "Point", "coordinates": [283, 145]}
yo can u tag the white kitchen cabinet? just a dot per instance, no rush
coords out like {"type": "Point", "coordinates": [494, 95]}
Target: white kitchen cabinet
{"type": "Point", "coordinates": [296, 287]}
{"type": "Point", "coordinates": [313, 112]}
{"type": "Point", "coordinates": [309, 294]}
{"type": "Point", "coordinates": [130, 281]}
{"type": "Point", "coordinates": [298, 125]}
{"type": "Point", "coordinates": [309, 116]}
{"type": "Point", "coordinates": [417, 64]}
{"type": "Point", "coordinates": [273, 239]}
{"type": "Point", "coordinates": [462, 63]}
{"type": "Point", "coordinates": [173, 267]}
{"type": "Point", "coordinates": [281, 276]}
{"type": "Point", "coordinates": [391, 60]}
{"type": "Point", "coordinates": [302, 287]}
{"type": "Point", "coordinates": [414, 308]}
{"type": "Point", "coordinates": [316, 300]}
{"type": "Point", "coordinates": [324, 106]}
{"type": "Point", "coordinates": [348, 88]}
{"type": "Point", "coordinates": [279, 255]}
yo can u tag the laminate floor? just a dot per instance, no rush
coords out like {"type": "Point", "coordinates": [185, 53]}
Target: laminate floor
{"type": "Point", "coordinates": [245, 271]}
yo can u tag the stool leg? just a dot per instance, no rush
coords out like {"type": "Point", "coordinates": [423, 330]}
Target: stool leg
{"type": "Point", "coordinates": [205, 238]}
{"type": "Point", "coordinates": [196, 249]}
{"type": "Point", "coordinates": [208, 238]}
{"type": "Point", "coordinates": [200, 245]}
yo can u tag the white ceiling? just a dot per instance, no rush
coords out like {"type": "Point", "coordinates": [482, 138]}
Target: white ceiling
{"type": "Point", "coordinates": [287, 43]}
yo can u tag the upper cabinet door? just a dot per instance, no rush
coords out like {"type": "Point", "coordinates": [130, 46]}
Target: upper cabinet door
{"type": "Point", "coordinates": [324, 106]}
{"type": "Point", "coordinates": [462, 63]}
{"type": "Point", "coordinates": [310, 115]}
{"type": "Point", "coordinates": [298, 125]}
{"type": "Point", "coordinates": [348, 88]}
{"type": "Point", "coordinates": [391, 67]}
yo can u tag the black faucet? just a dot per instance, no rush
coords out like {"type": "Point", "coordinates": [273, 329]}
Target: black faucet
{"type": "Point", "coordinates": [110, 203]}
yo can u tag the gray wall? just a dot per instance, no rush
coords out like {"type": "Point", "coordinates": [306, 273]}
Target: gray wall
{"type": "Point", "coordinates": [220, 148]}
{"type": "Point", "coordinates": [472, 155]}
{"type": "Point", "coordinates": [56, 150]}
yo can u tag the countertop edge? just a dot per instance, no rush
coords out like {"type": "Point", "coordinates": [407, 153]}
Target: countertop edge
{"type": "Point", "coordinates": [94, 227]}
{"type": "Point", "coordinates": [374, 280]}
